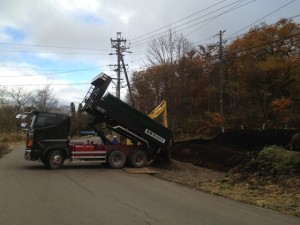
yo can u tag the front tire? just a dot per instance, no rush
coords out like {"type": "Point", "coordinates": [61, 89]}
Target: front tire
{"type": "Point", "coordinates": [116, 159]}
{"type": "Point", "coordinates": [55, 159]}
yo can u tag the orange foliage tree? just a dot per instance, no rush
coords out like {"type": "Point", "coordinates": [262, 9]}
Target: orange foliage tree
{"type": "Point", "coordinates": [261, 80]}
{"type": "Point", "coordinates": [263, 66]}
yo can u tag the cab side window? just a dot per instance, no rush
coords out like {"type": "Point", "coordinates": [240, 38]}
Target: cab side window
{"type": "Point", "coordinates": [45, 121]}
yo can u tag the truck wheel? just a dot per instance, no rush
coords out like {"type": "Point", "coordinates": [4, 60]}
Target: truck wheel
{"type": "Point", "coordinates": [116, 159]}
{"type": "Point", "coordinates": [55, 159]}
{"type": "Point", "coordinates": [138, 159]}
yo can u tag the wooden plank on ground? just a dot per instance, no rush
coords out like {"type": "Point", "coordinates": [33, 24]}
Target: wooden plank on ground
{"type": "Point", "coordinates": [143, 170]}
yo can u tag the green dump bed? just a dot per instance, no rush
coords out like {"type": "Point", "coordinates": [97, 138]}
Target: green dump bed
{"type": "Point", "coordinates": [123, 118]}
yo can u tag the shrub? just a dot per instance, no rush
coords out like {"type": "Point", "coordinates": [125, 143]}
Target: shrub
{"type": "Point", "coordinates": [11, 136]}
{"type": "Point", "coordinates": [7, 138]}
{"type": "Point", "coordinates": [274, 160]}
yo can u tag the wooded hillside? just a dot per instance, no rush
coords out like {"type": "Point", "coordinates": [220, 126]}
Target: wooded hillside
{"type": "Point", "coordinates": [257, 77]}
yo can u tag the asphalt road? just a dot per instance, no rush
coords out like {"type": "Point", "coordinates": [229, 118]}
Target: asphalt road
{"type": "Point", "coordinates": [94, 194]}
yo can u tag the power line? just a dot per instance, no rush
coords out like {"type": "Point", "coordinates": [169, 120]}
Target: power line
{"type": "Point", "coordinates": [36, 52]}
{"type": "Point", "coordinates": [192, 67]}
{"type": "Point", "coordinates": [177, 21]}
{"type": "Point", "coordinates": [293, 17]}
{"type": "Point", "coordinates": [190, 21]}
{"type": "Point", "coordinates": [28, 69]}
{"type": "Point", "coordinates": [212, 18]}
{"type": "Point", "coordinates": [63, 72]}
{"type": "Point", "coordinates": [52, 46]}
{"type": "Point", "coordinates": [228, 38]}
{"type": "Point", "coordinates": [232, 37]}
{"type": "Point", "coordinates": [281, 7]}
{"type": "Point", "coordinates": [17, 85]}
{"type": "Point", "coordinates": [208, 19]}
{"type": "Point", "coordinates": [259, 28]}
{"type": "Point", "coordinates": [238, 3]}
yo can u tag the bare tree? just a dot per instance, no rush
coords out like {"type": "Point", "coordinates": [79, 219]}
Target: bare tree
{"type": "Point", "coordinates": [3, 96]}
{"type": "Point", "coordinates": [164, 55]}
{"type": "Point", "coordinates": [19, 97]}
{"type": "Point", "coordinates": [167, 49]}
{"type": "Point", "coordinates": [44, 98]}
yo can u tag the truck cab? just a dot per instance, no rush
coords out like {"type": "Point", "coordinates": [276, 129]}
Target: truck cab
{"type": "Point", "coordinates": [47, 130]}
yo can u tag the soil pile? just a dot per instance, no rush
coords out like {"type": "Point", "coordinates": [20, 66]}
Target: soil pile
{"type": "Point", "coordinates": [229, 149]}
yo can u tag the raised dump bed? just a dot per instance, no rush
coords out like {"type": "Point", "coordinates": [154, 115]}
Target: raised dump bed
{"type": "Point", "coordinates": [124, 119]}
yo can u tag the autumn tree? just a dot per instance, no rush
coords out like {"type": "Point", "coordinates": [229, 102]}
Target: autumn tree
{"type": "Point", "coordinates": [262, 66]}
{"type": "Point", "coordinates": [261, 80]}
{"type": "Point", "coordinates": [280, 108]}
{"type": "Point", "coordinates": [184, 78]}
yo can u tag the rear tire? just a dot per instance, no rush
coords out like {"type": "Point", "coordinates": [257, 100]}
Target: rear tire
{"type": "Point", "coordinates": [138, 159]}
{"type": "Point", "coordinates": [116, 159]}
{"type": "Point", "coordinates": [55, 159]}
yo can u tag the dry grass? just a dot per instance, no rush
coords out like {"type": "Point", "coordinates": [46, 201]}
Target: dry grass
{"type": "Point", "coordinates": [11, 137]}
{"type": "Point", "coordinates": [281, 193]}
{"type": "Point", "coordinates": [9, 140]}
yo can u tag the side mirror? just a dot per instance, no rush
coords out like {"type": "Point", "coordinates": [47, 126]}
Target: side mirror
{"type": "Point", "coordinates": [23, 118]}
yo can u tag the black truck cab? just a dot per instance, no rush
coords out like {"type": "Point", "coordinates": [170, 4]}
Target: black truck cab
{"type": "Point", "coordinates": [47, 130]}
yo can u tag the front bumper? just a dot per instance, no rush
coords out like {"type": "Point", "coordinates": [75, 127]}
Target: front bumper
{"type": "Point", "coordinates": [27, 154]}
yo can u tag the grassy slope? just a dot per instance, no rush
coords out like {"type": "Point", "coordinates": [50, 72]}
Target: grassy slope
{"type": "Point", "coordinates": [271, 180]}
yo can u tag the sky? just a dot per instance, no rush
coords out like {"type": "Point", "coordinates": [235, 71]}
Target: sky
{"type": "Point", "coordinates": [65, 43]}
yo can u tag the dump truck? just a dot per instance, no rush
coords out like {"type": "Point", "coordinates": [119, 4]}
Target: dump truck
{"type": "Point", "coordinates": [48, 136]}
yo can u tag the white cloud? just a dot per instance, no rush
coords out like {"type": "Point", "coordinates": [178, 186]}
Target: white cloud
{"type": "Point", "coordinates": [125, 17]}
{"type": "Point", "coordinates": [90, 24]}
{"type": "Point", "coordinates": [73, 5]}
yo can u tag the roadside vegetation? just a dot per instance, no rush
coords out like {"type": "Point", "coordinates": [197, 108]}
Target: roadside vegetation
{"type": "Point", "coordinates": [271, 179]}
{"type": "Point", "coordinates": [274, 162]}
{"type": "Point", "coordinates": [8, 140]}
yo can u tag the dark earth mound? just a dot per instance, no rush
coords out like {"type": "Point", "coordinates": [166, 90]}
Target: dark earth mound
{"type": "Point", "coordinates": [230, 148]}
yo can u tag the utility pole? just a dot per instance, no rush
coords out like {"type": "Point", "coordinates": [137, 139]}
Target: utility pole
{"type": "Point", "coordinates": [120, 45]}
{"type": "Point", "coordinates": [221, 73]}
